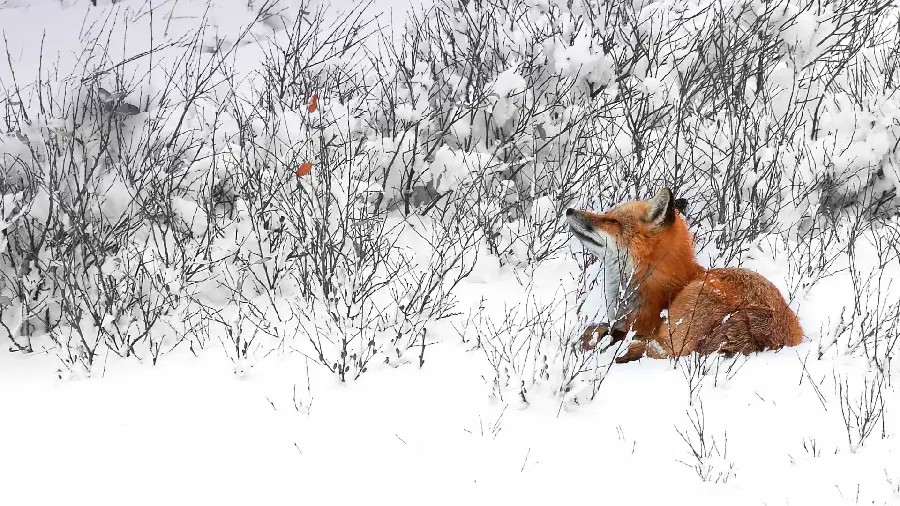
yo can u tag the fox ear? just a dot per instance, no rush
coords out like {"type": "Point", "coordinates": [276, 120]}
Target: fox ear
{"type": "Point", "coordinates": [662, 208]}
{"type": "Point", "coordinates": [681, 205]}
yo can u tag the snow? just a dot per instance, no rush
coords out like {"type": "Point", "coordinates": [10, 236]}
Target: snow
{"type": "Point", "coordinates": [190, 430]}
{"type": "Point", "coordinates": [495, 414]}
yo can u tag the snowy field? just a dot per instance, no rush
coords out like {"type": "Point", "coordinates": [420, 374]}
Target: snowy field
{"type": "Point", "coordinates": [193, 314]}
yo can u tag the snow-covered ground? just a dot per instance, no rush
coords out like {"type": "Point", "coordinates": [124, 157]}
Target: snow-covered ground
{"type": "Point", "coordinates": [189, 430]}
{"type": "Point", "coordinates": [811, 425]}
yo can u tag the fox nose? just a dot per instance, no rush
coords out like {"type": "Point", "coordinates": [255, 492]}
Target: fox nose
{"type": "Point", "coordinates": [570, 211]}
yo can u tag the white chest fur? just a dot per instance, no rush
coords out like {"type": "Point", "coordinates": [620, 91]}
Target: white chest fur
{"type": "Point", "coordinates": [612, 293]}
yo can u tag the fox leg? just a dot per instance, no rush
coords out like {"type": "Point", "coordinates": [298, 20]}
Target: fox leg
{"type": "Point", "coordinates": [714, 331]}
{"type": "Point", "coordinates": [693, 315]}
{"type": "Point", "coordinates": [707, 318]}
{"type": "Point", "coordinates": [677, 340]}
{"type": "Point", "coordinates": [745, 331]}
{"type": "Point", "coordinates": [638, 349]}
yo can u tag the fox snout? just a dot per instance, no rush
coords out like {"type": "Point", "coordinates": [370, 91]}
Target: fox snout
{"type": "Point", "coordinates": [577, 222]}
{"type": "Point", "coordinates": [575, 217]}
{"type": "Point", "coordinates": [582, 228]}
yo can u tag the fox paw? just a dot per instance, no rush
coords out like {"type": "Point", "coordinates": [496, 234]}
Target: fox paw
{"type": "Point", "coordinates": [592, 335]}
{"type": "Point", "coordinates": [640, 349]}
{"type": "Point", "coordinates": [636, 351]}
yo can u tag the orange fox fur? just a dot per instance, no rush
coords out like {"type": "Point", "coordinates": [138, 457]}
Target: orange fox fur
{"type": "Point", "coordinates": [727, 310]}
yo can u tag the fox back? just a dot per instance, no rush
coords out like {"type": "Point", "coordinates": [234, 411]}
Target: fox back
{"type": "Point", "coordinates": [729, 310]}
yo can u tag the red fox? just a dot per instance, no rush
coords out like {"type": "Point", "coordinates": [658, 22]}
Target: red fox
{"type": "Point", "coordinates": [673, 305]}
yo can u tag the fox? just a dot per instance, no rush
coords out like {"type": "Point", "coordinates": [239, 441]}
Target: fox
{"type": "Point", "coordinates": [673, 305]}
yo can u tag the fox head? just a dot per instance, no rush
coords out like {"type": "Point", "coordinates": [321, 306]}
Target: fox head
{"type": "Point", "coordinates": [646, 230]}
{"type": "Point", "coordinates": [640, 244]}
